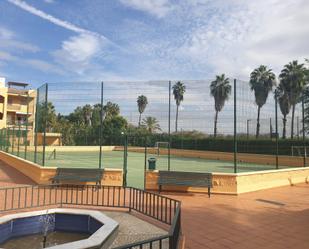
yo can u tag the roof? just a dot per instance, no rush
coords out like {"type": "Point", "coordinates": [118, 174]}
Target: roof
{"type": "Point", "coordinates": [17, 84]}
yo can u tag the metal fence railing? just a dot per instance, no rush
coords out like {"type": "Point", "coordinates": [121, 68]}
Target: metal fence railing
{"type": "Point", "coordinates": [161, 208]}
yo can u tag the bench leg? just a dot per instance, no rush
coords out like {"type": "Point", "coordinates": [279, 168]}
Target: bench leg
{"type": "Point", "coordinates": [208, 192]}
{"type": "Point", "coordinates": [160, 188]}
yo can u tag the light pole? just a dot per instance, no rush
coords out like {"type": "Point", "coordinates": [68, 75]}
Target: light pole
{"type": "Point", "coordinates": [248, 120]}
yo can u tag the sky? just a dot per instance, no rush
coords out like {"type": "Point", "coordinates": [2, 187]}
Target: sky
{"type": "Point", "coordinates": [68, 40]}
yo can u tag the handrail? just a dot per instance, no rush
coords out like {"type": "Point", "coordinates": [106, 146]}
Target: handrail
{"type": "Point", "coordinates": [161, 208]}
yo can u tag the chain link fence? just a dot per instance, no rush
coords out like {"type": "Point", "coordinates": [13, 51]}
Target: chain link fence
{"type": "Point", "coordinates": [185, 125]}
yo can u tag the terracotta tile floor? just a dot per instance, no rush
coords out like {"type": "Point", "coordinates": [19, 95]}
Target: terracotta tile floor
{"type": "Point", "coordinates": [12, 177]}
{"type": "Point", "coordinates": [275, 218]}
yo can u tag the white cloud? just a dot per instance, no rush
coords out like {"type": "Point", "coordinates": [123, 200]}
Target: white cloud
{"type": "Point", "coordinates": [158, 8]}
{"type": "Point", "coordinates": [5, 33]}
{"type": "Point", "coordinates": [77, 52]}
{"type": "Point", "coordinates": [44, 66]}
{"type": "Point", "coordinates": [49, 1]}
{"type": "Point", "coordinates": [236, 39]}
{"type": "Point", "coordinates": [9, 40]}
{"type": "Point", "coordinates": [40, 65]}
{"type": "Point", "coordinates": [64, 24]}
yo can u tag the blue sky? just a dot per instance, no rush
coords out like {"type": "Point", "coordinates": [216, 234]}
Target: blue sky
{"type": "Point", "coordinates": [69, 40]}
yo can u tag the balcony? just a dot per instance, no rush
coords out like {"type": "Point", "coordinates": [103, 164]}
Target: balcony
{"type": "Point", "coordinates": [18, 108]}
{"type": "Point", "coordinates": [12, 91]}
{"type": "Point", "coordinates": [16, 124]}
{"type": "Point", "coordinates": [13, 107]}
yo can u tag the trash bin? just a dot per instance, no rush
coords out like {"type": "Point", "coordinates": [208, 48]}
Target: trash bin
{"type": "Point", "coordinates": [152, 163]}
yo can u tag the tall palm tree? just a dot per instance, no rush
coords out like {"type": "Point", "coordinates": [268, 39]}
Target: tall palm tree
{"type": "Point", "coordinates": [293, 81]}
{"type": "Point", "coordinates": [220, 89]}
{"type": "Point", "coordinates": [179, 90]}
{"type": "Point", "coordinates": [142, 102]}
{"type": "Point", "coordinates": [285, 106]}
{"type": "Point", "coordinates": [151, 124]}
{"type": "Point", "coordinates": [262, 81]}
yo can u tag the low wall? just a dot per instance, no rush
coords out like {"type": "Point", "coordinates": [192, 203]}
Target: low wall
{"type": "Point", "coordinates": [225, 156]}
{"type": "Point", "coordinates": [224, 183]}
{"type": "Point", "coordinates": [72, 148]}
{"type": "Point", "coordinates": [42, 175]}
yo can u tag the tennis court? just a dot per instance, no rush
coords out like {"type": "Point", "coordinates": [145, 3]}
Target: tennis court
{"type": "Point", "coordinates": [136, 162]}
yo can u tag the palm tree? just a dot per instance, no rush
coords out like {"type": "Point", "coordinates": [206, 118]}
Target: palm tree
{"type": "Point", "coordinates": [151, 124]}
{"type": "Point", "coordinates": [293, 81]}
{"type": "Point", "coordinates": [179, 90]}
{"type": "Point", "coordinates": [262, 81]}
{"type": "Point", "coordinates": [111, 109]}
{"type": "Point", "coordinates": [285, 106]}
{"type": "Point", "coordinates": [142, 102]}
{"type": "Point", "coordinates": [87, 110]}
{"type": "Point", "coordinates": [220, 89]}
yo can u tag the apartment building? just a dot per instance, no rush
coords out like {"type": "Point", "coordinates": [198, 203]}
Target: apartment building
{"type": "Point", "coordinates": [17, 106]}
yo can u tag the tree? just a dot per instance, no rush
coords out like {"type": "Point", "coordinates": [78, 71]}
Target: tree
{"type": "Point", "coordinates": [46, 117]}
{"type": "Point", "coordinates": [261, 82]}
{"type": "Point", "coordinates": [141, 104]}
{"type": "Point", "coordinates": [151, 124]}
{"type": "Point", "coordinates": [293, 81]}
{"type": "Point", "coordinates": [285, 106]}
{"type": "Point", "coordinates": [179, 90]}
{"type": "Point", "coordinates": [220, 89]}
{"type": "Point", "coordinates": [111, 109]}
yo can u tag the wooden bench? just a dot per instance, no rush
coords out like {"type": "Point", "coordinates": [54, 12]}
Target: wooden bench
{"type": "Point", "coordinates": [78, 175]}
{"type": "Point", "coordinates": [188, 179]}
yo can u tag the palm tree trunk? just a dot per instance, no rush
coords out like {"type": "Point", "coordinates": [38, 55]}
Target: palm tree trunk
{"type": "Point", "coordinates": [258, 123]}
{"type": "Point", "coordinates": [215, 126]}
{"type": "Point", "coordinates": [139, 119]}
{"type": "Point", "coordinates": [176, 121]}
{"type": "Point", "coordinates": [292, 125]}
{"type": "Point", "coordinates": [284, 127]}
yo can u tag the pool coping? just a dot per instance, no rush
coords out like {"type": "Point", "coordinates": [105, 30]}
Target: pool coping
{"type": "Point", "coordinates": [101, 238]}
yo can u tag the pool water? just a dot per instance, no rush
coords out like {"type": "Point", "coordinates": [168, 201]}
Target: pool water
{"type": "Point", "coordinates": [36, 241]}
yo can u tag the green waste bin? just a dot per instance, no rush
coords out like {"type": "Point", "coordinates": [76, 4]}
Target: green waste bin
{"type": "Point", "coordinates": [152, 163]}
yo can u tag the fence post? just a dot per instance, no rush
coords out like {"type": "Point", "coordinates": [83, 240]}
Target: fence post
{"type": "Point", "coordinates": [145, 162]}
{"type": "Point", "coordinates": [45, 123]}
{"type": "Point", "coordinates": [277, 135]}
{"type": "Point", "coordinates": [169, 126]}
{"type": "Point", "coordinates": [101, 126]}
{"type": "Point", "coordinates": [235, 129]}
{"type": "Point", "coordinates": [18, 140]}
{"type": "Point", "coordinates": [7, 139]}
{"type": "Point", "coordinates": [13, 138]}
{"type": "Point", "coordinates": [125, 162]}
{"type": "Point", "coordinates": [27, 120]}
{"type": "Point", "coordinates": [303, 123]}
{"type": "Point", "coordinates": [36, 125]}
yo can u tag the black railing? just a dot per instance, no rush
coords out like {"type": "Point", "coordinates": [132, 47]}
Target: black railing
{"type": "Point", "coordinates": [161, 208]}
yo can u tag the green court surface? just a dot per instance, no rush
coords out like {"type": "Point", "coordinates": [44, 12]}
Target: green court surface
{"type": "Point", "coordinates": [136, 162]}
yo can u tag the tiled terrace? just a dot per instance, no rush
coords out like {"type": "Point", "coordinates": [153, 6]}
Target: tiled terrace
{"type": "Point", "coordinates": [275, 218]}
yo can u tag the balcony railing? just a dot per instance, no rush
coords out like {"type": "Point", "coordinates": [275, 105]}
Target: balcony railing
{"type": "Point", "coordinates": [17, 91]}
{"type": "Point", "coordinates": [14, 107]}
